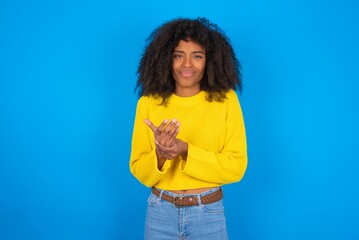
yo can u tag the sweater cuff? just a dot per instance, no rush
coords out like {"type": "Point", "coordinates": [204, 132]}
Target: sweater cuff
{"type": "Point", "coordinates": [188, 166]}
{"type": "Point", "coordinates": [153, 173]}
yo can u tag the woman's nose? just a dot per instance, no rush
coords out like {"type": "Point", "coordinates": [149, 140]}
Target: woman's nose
{"type": "Point", "coordinates": [187, 62]}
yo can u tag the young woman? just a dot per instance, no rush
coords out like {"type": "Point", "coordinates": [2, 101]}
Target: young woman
{"type": "Point", "coordinates": [189, 135]}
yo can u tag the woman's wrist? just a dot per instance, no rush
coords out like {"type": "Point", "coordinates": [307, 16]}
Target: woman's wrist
{"type": "Point", "coordinates": [160, 159]}
{"type": "Point", "coordinates": [183, 148]}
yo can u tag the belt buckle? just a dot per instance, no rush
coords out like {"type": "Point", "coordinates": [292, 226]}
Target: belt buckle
{"type": "Point", "coordinates": [177, 205]}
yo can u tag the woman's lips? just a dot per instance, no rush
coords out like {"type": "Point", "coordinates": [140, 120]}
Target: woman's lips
{"type": "Point", "coordinates": [187, 74]}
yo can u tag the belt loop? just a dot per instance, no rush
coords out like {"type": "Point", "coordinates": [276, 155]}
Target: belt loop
{"type": "Point", "coordinates": [199, 199]}
{"type": "Point", "coordinates": [161, 192]}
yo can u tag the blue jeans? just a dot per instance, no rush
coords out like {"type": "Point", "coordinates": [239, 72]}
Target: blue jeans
{"type": "Point", "coordinates": [164, 221]}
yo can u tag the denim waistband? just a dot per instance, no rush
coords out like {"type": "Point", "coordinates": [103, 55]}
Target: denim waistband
{"type": "Point", "coordinates": [191, 194]}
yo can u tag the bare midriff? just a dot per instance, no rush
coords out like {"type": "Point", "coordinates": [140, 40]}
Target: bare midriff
{"type": "Point", "coordinates": [191, 191]}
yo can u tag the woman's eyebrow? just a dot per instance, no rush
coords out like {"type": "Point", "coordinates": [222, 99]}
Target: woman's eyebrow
{"type": "Point", "coordinates": [180, 51]}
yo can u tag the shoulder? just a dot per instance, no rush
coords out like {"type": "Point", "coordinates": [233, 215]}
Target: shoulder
{"type": "Point", "coordinates": [148, 102]}
{"type": "Point", "coordinates": [232, 100]}
{"type": "Point", "coordinates": [231, 95]}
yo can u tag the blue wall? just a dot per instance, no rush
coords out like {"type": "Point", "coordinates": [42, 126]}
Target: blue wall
{"type": "Point", "coordinates": [67, 74]}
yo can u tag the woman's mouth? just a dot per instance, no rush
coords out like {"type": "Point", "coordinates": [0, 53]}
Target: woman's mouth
{"type": "Point", "coordinates": [187, 74]}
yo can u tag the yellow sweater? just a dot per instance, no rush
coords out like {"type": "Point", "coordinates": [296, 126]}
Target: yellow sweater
{"type": "Point", "coordinates": [214, 131]}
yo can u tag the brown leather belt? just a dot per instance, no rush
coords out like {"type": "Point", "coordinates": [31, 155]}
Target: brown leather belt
{"type": "Point", "coordinates": [186, 201]}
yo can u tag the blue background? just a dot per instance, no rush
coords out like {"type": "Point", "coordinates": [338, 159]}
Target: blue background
{"type": "Point", "coordinates": [67, 103]}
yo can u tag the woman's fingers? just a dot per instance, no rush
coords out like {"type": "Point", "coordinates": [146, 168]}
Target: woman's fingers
{"type": "Point", "coordinates": [150, 124]}
{"type": "Point", "coordinates": [165, 134]}
{"type": "Point", "coordinates": [161, 127]}
{"type": "Point", "coordinates": [170, 133]}
{"type": "Point", "coordinates": [166, 131]}
{"type": "Point", "coordinates": [156, 130]}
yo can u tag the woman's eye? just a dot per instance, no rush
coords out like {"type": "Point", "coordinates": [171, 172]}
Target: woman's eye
{"type": "Point", "coordinates": [198, 56]}
{"type": "Point", "coordinates": [177, 56]}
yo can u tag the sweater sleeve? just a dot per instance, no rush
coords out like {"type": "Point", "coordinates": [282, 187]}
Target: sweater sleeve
{"type": "Point", "coordinates": [228, 165]}
{"type": "Point", "coordinates": [143, 159]}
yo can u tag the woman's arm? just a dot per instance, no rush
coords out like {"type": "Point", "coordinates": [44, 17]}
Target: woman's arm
{"type": "Point", "coordinates": [228, 165]}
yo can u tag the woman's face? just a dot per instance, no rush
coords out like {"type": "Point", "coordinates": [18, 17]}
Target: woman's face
{"type": "Point", "coordinates": [188, 67]}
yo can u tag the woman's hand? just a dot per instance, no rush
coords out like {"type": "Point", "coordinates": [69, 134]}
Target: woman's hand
{"type": "Point", "coordinates": [167, 145]}
{"type": "Point", "coordinates": [179, 148]}
{"type": "Point", "coordinates": [165, 134]}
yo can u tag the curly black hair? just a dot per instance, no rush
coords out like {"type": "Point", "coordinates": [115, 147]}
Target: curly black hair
{"type": "Point", "coordinates": [155, 69]}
